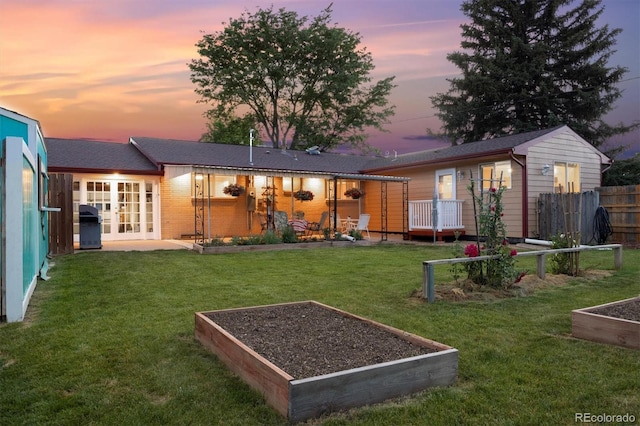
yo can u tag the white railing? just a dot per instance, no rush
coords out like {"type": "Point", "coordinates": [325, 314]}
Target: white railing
{"type": "Point", "coordinates": [449, 214]}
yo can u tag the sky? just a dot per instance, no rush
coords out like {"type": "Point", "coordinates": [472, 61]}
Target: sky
{"type": "Point", "coordinates": [110, 69]}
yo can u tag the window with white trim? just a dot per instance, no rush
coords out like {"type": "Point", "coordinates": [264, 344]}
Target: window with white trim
{"type": "Point", "coordinates": [566, 177]}
{"type": "Point", "coordinates": [491, 173]}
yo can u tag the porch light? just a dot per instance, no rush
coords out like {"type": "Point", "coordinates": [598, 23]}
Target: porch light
{"type": "Point", "coordinates": [545, 170]}
{"type": "Point", "coordinates": [460, 175]}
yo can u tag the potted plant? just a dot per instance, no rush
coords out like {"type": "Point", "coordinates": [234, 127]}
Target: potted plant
{"type": "Point", "coordinates": [233, 189]}
{"type": "Point", "coordinates": [303, 195]}
{"type": "Point", "coordinates": [354, 193]}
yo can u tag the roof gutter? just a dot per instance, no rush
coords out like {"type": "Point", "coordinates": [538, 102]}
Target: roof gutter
{"type": "Point", "coordinates": [393, 166]}
{"type": "Point", "coordinates": [252, 171]}
{"type": "Point", "coordinates": [57, 169]}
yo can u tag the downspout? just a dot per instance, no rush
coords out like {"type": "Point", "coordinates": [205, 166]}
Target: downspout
{"type": "Point", "coordinates": [335, 203]}
{"type": "Point", "coordinates": [525, 196]}
{"type": "Point", "coordinates": [602, 172]}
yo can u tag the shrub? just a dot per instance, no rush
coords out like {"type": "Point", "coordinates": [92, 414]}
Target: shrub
{"type": "Point", "coordinates": [271, 237]}
{"type": "Point", "coordinates": [289, 235]}
{"type": "Point", "coordinates": [356, 234]}
{"type": "Point", "coordinates": [564, 263]}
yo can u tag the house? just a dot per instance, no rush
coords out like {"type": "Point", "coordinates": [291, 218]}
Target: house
{"type": "Point", "coordinates": [116, 179]}
{"type": "Point", "coordinates": [543, 161]}
{"type": "Point", "coordinates": [24, 231]}
{"type": "Point", "coordinates": [165, 189]}
{"type": "Point", "coordinates": [154, 188]}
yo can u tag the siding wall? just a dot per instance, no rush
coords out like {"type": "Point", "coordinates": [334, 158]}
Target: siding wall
{"type": "Point", "coordinates": [373, 204]}
{"type": "Point", "coordinates": [422, 185]}
{"type": "Point", "coordinates": [564, 147]}
{"type": "Point", "coordinates": [229, 216]}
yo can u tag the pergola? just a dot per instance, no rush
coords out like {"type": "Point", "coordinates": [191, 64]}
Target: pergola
{"type": "Point", "coordinates": [202, 193]}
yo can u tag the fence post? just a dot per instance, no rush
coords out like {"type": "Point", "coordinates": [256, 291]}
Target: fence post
{"type": "Point", "coordinates": [617, 257]}
{"type": "Point", "coordinates": [541, 265]}
{"type": "Point", "coordinates": [428, 278]}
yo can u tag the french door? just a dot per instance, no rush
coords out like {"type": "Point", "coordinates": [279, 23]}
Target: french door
{"type": "Point", "coordinates": [126, 207]}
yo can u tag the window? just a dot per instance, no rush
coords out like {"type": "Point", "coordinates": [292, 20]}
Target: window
{"type": "Point", "coordinates": [202, 183]}
{"type": "Point", "coordinates": [218, 183]}
{"type": "Point", "coordinates": [566, 177]}
{"type": "Point", "coordinates": [343, 185]}
{"type": "Point", "coordinates": [492, 172]}
{"type": "Point", "coordinates": [290, 184]}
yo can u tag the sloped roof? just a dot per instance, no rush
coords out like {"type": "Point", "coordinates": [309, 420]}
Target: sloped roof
{"type": "Point", "coordinates": [180, 152]}
{"type": "Point", "coordinates": [468, 150]}
{"type": "Point", "coordinates": [77, 155]}
{"type": "Point", "coordinates": [145, 155]}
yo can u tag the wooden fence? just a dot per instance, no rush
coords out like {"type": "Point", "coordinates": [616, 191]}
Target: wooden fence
{"type": "Point", "coordinates": [61, 223]}
{"type": "Point", "coordinates": [623, 205]}
{"type": "Point", "coordinates": [576, 211]}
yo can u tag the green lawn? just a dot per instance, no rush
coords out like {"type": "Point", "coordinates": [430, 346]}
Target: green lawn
{"type": "Point", "coordinates": [109, 339]}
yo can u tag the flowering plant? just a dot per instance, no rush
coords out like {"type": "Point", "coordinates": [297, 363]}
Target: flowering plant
{"type": "Point", "coordinates": [471, 250]}
{"type": "Point", "coordinates": [303, 195]}
{"type": "Point", "coordinates": [500, 270]}
{"type": "Point", "coordinates": [233, 189]}
{"type": "Point", "coordinates": [354, 193]}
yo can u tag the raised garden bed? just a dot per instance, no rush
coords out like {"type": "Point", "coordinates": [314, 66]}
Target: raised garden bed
{"type": "Point", "coordinates": [308, 359]}
{"type": "Point", "coordinates": [615, 323]}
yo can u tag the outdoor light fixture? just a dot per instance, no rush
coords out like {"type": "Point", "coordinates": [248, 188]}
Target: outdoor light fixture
{"type": "Point", "coordinates": [546, 169]}
{"type": "Point", "coordinates": [460, 175]}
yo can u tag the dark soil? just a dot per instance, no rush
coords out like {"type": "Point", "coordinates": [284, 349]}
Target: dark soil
{"type": "Point", "coordinates": [629, 310]}
{"type": "Point", "coordinates": [307, 340]}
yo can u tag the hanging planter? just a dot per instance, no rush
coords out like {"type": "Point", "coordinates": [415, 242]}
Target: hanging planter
{"type": "Point", "coordinates": [354, 193]}
{"type": "Point", "coordinates": [303, 195]}
{"type": "Point", "coordinates": [233, 189]}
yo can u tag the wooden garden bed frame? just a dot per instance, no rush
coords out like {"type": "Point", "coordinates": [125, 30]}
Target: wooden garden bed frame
{"type": "Point", "coordinates": [304, 398]}
{"type": "Point", "coordinates": [604, 329]}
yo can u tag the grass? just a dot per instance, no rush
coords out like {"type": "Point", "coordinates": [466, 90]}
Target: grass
{"type": "Point", "coordinates": [109, 339]}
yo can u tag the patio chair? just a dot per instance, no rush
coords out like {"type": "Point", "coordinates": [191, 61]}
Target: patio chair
{"type": "Point", "coordinates": [280, 220]}
{"type": "Point", "coordinates": [317, 227]}
{"type": "Point", "coordinates": [299, 226]}
{"type": "Point", "coordinates": [363, 224]}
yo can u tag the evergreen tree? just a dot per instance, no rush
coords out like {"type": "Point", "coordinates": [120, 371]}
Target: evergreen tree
{"type": "Point", "coordinates": [528, 65]}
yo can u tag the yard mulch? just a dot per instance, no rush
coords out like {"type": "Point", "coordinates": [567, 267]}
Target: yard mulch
{"type": "Point", "coordinates": [465, 290]}
{"type": "Point", "coordinates": [307, 340]}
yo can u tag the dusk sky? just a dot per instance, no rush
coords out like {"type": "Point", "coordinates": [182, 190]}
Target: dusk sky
{"type": "Point", "coordinates": [110, 69]}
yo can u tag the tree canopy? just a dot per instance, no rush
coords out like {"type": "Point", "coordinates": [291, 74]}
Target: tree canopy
{"type": "Point", "coordinates": [304, 80]}
{"type": "Point", "coordinates": [231, 130]}
{"type": "Point", "coordinates": [528, 65]}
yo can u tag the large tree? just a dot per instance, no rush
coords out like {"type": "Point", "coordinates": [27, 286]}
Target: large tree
{"type": "Point", "coordinates": [528, 65]}
{"type": "Point", "coordinates": [231, 130]}
{"type": "Point", "coordinates": [305, 81]}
